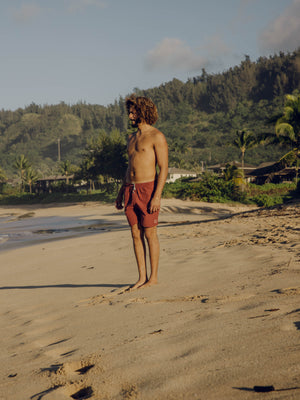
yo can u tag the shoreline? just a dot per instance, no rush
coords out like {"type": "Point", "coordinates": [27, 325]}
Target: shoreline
{"type": "Point", "coordinates": [30, 224]}
{"type": "Point", "coordinates": [223, 318]}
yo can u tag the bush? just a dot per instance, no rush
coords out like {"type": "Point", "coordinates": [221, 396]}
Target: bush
{"type": "Point", "coordinates": [211, 189]}
{"type": "Point", "coordinates": [271, 194]}
{"type": "Point", "coordinates": [271, 188]}
{"type": "Point", "coordinates": [264, 200]}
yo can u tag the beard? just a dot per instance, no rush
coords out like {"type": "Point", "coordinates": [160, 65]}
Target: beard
{"type": "Point", "coordinates": [135, 122]}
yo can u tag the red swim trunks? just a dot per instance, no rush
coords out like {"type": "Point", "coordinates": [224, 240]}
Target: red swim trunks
{"type": "Point", "coordinates": [137, 197]}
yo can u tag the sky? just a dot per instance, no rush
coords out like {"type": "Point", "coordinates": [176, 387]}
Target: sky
{"type": "Point", "coordinates": [95, 51]}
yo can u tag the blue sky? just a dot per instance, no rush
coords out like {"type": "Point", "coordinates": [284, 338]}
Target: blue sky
{"type": "Point", "coordinates": [97, 50]}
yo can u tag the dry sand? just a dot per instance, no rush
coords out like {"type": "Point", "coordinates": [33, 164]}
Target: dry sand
{"type": "Point", "coordinates": [224, 317]}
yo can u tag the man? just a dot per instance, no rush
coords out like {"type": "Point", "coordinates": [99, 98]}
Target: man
{"type": "Point", "coordinates": [142, 187]}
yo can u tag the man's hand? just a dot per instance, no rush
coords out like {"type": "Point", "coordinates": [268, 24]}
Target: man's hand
{"type": "Point", "coordinates": [154, 204]}
{"type": "Point", "coordinates": [119, 202]}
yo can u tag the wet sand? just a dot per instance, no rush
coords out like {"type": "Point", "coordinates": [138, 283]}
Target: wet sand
{"type": "Point", "coordinates": [225, 316]}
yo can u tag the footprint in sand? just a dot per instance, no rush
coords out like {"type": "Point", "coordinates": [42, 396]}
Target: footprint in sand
{"type": "Point", "coordinates": [72, 391]}
{"type": "Point", "coordinates": [296, 311]}
{"type": "Point", "coordinates": [293, 291]}
{"type": "Point", "coordinates": [39, 335]}
{"type": "Point", "coordinates": [109, 298]}
{"type": "Point", "coordinates": [288, 324]}
{"type": "Point", "coordinates": [112, 299]}
{"type": "Point", "coordinates": [129, 391]}
{"type": "Point", "coordinates": [70, 380]}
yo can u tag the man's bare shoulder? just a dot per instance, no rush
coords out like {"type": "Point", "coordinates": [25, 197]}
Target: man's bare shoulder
{"type": "Point", "coordinates": [160, 139]}
{"type": "Point", "coordinates": [156, 134]}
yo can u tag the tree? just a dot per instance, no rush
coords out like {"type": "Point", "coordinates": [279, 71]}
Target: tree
{"type": "Point", "coordinates": [106, 155]}
{"type": "Point", "coordinates": [287, 129]}
{"type": "Point", "coordinates": [66, 169]}
{"type": "Point", "coordinates": [287, 132]}
{"type": "Point", "coordinates": [30, 177]}
{"type": "Point", "coordinates": [236, 175]}
{"type": "Point", "coordinates": [22, 164]}
{"type": "Point", "coordinates": [109, 155]}
{"type": "Point", "coordinates": [3, 177]}
{"type": "Point", "coordinates": [244, 141]}
{"type": "Point", "coordinates": [84, 172]}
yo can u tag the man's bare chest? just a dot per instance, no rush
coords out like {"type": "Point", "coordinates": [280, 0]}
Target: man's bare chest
{"type": "Point", "coordinates": [140, 145]}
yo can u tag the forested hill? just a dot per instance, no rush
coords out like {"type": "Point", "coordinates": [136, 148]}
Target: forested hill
{"type": "Point", "coordinates": [199, 117]}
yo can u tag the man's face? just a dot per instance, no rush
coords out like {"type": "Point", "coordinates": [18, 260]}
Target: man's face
{"type": "Point", "coordinates": [133, 116]}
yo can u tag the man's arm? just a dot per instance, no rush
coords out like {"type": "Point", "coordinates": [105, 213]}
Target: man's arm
{"type": "Point", "coordinates": [161, 152]}
{"type": "Point", "coordinates": [119, 199]}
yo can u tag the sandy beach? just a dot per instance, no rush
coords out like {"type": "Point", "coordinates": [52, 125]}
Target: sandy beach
{"type": "Point", "coordinates": [225, 316]}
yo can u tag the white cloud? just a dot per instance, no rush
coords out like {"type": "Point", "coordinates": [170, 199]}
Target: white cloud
{"type": "Point", "coordinates": [27, 12]}
{"type": "Point", "coordinates": [174, 54]}
{"type": "Point", "coordinates": [77, 5]}
{"type": "Point", "coordinates": [283, 33]}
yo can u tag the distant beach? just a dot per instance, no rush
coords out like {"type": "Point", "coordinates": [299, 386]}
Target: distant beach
{"type": "Point", "coordinates": [223, 320]}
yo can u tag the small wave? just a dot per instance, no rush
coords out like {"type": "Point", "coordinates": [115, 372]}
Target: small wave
{"type": "Point", "coordinates": [3, 238]}
{"type": "Point", "coordinates": [15, 235]}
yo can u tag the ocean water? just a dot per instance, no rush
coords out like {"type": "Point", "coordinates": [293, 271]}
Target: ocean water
{"type": "Point", "coordinates": [27, 230]}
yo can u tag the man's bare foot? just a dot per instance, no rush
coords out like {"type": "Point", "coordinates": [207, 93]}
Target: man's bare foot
{"type": "Point", "coordinates": [137, 285]}
{"type": "Point", "coordinates": [148, 284]}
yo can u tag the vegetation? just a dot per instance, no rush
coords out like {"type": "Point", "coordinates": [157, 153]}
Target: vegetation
{"type": "Point", "coordinates": [199, 118]}
{"type": "Point", "coordinates": [214, 189]}
{"type": "Point", "coordinates": [105, 156]}
{"type": "Point", "coordinates": [287, 130]}
{"type": "Point", "coordinates": [245, 141]}
{"type": "Point", "coordinates": [30, 177]}
{"type": "Point", "coordinates": [210, 189]}
{"type": "Point", "coordinates": [22, 164]}
{"type": "Point", "coordinates": [270, 194]}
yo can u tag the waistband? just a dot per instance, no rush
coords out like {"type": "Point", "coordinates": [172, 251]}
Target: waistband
{"type": "Point", "coordinates": [142, 184]}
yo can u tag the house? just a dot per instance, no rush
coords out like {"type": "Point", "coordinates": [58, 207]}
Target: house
{"type": "Point", "coordinates": [177, 173]}
{"type": "Point", "coordinates": [45, 185]}
{"type": "Point", "coordinates": [273, 172]}
{"type": "Point", "coordinates": [220, 168]}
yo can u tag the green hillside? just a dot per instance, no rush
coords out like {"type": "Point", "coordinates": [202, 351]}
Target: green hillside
{"type": "Point", "coordinates": [199, 117]}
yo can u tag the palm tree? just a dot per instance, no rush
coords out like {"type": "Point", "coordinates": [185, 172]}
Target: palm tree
{"type": "Point", "coordinates": [30, 177]}
{"type": "Point", "coordinates": [244, 140]}
{"type": "Point", "coordinates": [287, 129]}
{"type": "Point", "coordinates": [21, 163]}
{"type": "Point", "coordinates": [236, 175]}
{"type": "Point", "coordinates": [66, 168]}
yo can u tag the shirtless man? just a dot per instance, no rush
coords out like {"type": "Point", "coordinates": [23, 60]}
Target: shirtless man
{"type": "Point", "coordinates": [142, 187]}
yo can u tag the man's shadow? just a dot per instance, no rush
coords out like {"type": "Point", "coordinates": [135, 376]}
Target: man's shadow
{"type": "Point", "coordinates": [66, 285]}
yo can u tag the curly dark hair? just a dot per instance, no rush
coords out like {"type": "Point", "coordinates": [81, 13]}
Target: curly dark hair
{"type": "Point", "coordinates": [145, 108]}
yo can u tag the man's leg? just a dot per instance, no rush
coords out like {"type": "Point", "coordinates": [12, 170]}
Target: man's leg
{"type": "Point", "coordinates": [153, 244]}
{"type": "Point", "coordinates": [137, 233]}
